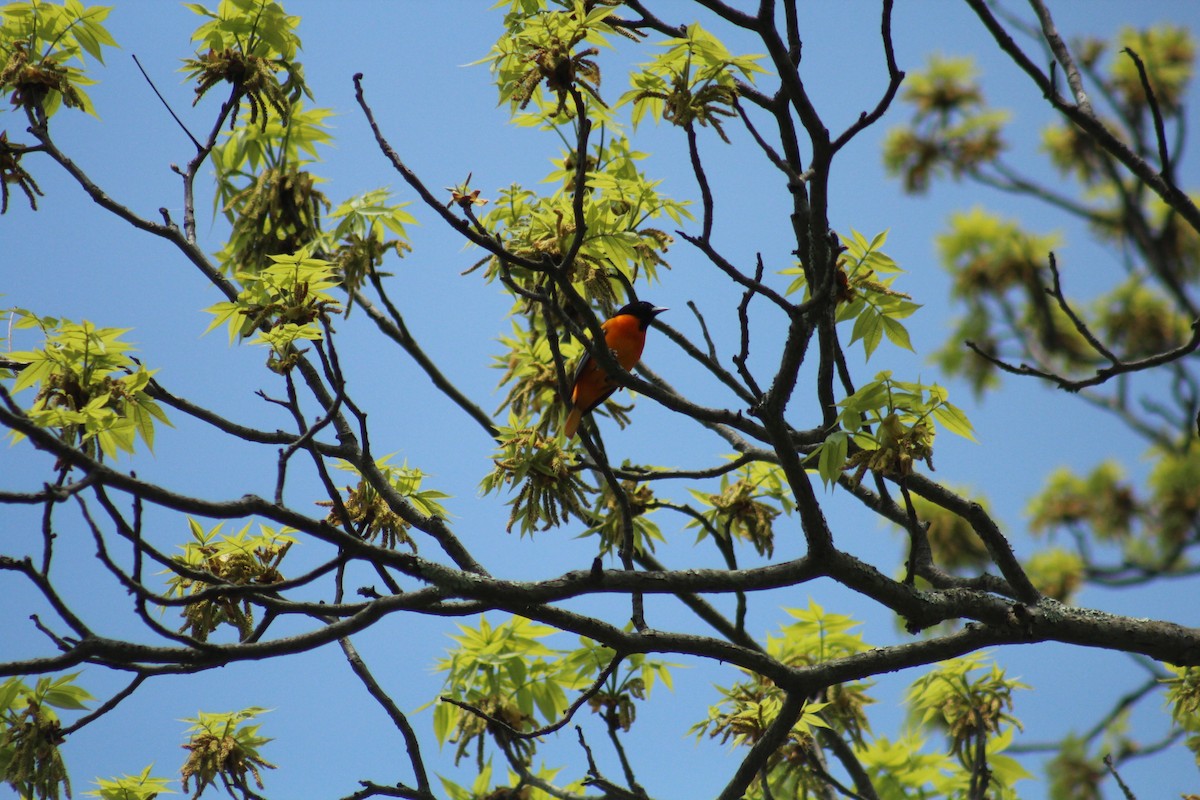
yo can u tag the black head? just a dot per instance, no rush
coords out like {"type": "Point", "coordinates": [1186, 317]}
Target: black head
{"type": "Point", "coordinates": [644, 311]}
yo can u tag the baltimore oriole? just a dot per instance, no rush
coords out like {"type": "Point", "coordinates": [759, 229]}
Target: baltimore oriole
{"type": "Point", "coordinates": [625, 336]}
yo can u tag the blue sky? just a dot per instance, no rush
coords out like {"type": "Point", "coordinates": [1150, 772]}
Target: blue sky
{"type": "Point", "coordinates": [70, 259]}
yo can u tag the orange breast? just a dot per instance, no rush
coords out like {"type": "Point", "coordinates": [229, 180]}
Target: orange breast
{"type": "Point", "coordinates": [625, 337]}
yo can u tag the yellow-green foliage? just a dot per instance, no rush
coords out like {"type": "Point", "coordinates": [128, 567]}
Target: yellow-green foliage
{"type": "Point", "coordinates": [505, 678]}
{"type": "Point", "coordinates": [212, 559]}
{"type": "Point", "coordinates": [30, 734]}
{"type": "Point", "coordinates": [368, 513]}
{"type": "Point", "coordinates": [745, 508]}
{"type": "Point", "coordinates": [37, 42]}
{"type": "Point", "coordinates": [891, 424]}
{"type": "Point", "coordinates": [952, 131]}
{"type": "Point", "coordinates": [89, 391]}
{"type": "Point", "coordinates": [245, 43]}
{"type": "Point", "coordinates": [223, 746]}
{"type": "Point", "coordinates": [551, 491]}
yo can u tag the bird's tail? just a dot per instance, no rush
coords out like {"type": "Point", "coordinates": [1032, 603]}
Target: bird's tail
{"type": "Point", "coordinates": [572, 423]}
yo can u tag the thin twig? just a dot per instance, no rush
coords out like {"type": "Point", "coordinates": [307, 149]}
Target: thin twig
{"type": "Point", "coordinates": [1056, 291]}
{"type": "Point", "coordinates": [393, 711]}
{"type": "Point", "coordinates": [1166, 169]}
{"type": "Point", "coordinates": [794, 179]}
{"type": "Point", "coordinates": [1102, 375]}
{"type": "Point", "coordinates": [396, 330]}
{"type": "Point", "coordinates": [461, 226]}
{"type": "Point", "coordinates": [635, 473]}
{"type": "Point", "coordinates": [1112, 768]}
{"type": "Point", "coordinates": [712, 348]}
{"type": "Point", "coordinates": [706, 195]}
{"type": "Point", "coordinates": [108, 705]}
{"type": "Point", "coordinates": [166, 105]}
{"type": "Point", "coordinates": [741, 360]}
{"type": "Point", "coordinates": [595, 778]}
{"type": "Point", "coordinates": [895, 78]}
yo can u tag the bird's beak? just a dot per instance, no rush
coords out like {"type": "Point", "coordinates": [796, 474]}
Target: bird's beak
{"type": "Point", "coordinates": [658, 310]}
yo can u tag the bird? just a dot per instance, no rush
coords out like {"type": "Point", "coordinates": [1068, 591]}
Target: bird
{"type": "Point", "coordinates": [625, 336]}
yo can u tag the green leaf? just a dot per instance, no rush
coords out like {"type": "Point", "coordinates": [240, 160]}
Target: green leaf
{"type": "Point", "coordinates": [131, 787]}
{"type": "Point", "coordinates": [833, 457]}
{"type": "Point", "coordinates": [454, 791]}
{"type": "Point", "coordinates": [62, 693]}
{"type": "Point", "coordinates": [10, 690]}
{"type": "Point", "coordinates": [868, 328]}
{"type": "Point", "coordinates": [897, 334]}
{"type": "Point", "coordinates": [444, 716]}
{"type": "Point", "coordinates": [954, 420]}
{"type": "Point", "coordinates": [40, 368]}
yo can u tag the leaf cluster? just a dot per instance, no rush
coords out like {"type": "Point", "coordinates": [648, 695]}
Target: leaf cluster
{"type": "Point", "coordinates": [952, 131]}
{"type": "Point", "coordinates": [281, 304]}
{"type": "Point", "coordinates": [238, 560]}
{"type": "Point", "coordinates": [142, 786]}
{"type": "Point", "coordinates": [88, 389]}
{"type": "Point", "coordinates": [615, 701]}
{"type": "Point", "coordinates": [551, 491]}
{"type": "Point", "coordinates": [609, 520]}
{"type": "Point", "coordinates": [865, 275]}
{"type": "Point", "coordinates": [30, 734]}
{"type": "Point", "coordinates": [368, 513]}
{"type": "Point", "coordinates": [818, 636]}
{"type": "Point", "coordinates": [248, 42]}
{"type": "Point", "coordinates": [11, 171]}
{"type": "Point", "coordinates": [989, 255]}
{"type": "Point", "coordinates": [1103, 500]}
{"type": "Point", "coordinates": [744, 716]}
{"type": "Point", "coordinates": [1140, 320]}
{"type": "Point", "coordinates": [749, 706]}
{"type": "Point", "coordinates": [37, 39]}
{"type": "Point", "coordinates": [971, 702]}
{"type": "Point", "coordinates": [746, 507]}
{"type": "Point", "coordinates": [224, 746]}
{"type": "Point", "coordinates": [506, 672]}
{"type": "Point", "coordinates": [1183, 698]}
{"type": "Point", "coordinates": [517, 787]}
{"type": "Point", "coordinates": [359, 241]}
{"type": "Point", "coordinates": [528, 364]}
{"type": "Point", "coordinates": [1169, 55]}
{"type": "Point", "coordinates": [539, 49]}
{"type": "Point", "coordinates": [891, 424]}
{"type": "Point", "coordinates": [271, 201]}
{"type": "Point", "coordinates": [274, 205]}
{"type": "Point", "coordinates": [1152, 529]}
{"type": "Point", "coordinates": [997, 269]}
{"type": "Point", "coordinates": [1057, 572]}
{"type": "Point", "coordinates": [619, 245]}
{"type": "Point", "coordinates": [694, 80]}
{"type": "Point", "coordinates": [966, 697]}
{"type": "Point", "coordinates": [504, 679]}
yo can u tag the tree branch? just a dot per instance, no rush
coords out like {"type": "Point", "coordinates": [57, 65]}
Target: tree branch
{"type": "Point", "coordinates": [1081, 113]}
